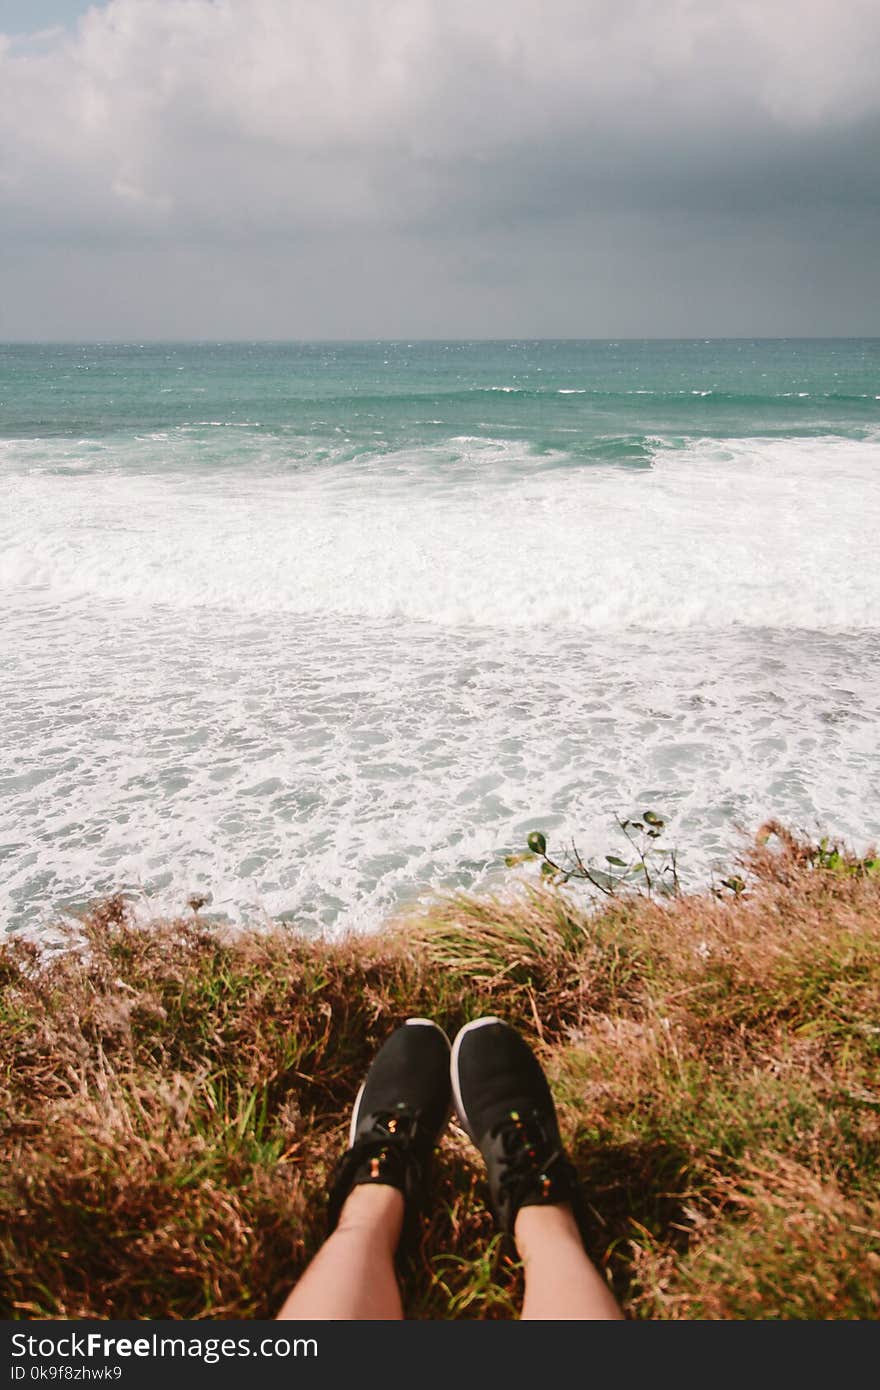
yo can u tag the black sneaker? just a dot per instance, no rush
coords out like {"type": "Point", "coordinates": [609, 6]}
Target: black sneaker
{"type": "Point", "coordinates": [503, 1101]}
{"type": "Point", "coordinates": [399, 1115]}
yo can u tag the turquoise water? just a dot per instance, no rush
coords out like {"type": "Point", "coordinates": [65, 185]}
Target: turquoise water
{"type": "Point", "coordinates": [602, 401]}
{"type": "Point", "coordinates": [312, 628]}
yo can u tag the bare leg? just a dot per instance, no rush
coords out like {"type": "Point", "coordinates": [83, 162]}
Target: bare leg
{"type": "Point", "coordinates": [561, 1283]}
{"type": "Point", "coordinates": [352, 1275]}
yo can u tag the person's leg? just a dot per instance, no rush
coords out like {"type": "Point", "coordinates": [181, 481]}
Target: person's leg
{"type": "Point", "coordinates": [561, 1282]}
{"type": "Point", "coordinates": [505, 1105]}
{"type": "Point", "coordinates": [352, 1275]}
{"type": "Point", "coordinates": [379, 1187]}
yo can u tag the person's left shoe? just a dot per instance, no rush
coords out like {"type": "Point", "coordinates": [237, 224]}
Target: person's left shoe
{"type": "Point", "coordinates": [400, 1113]}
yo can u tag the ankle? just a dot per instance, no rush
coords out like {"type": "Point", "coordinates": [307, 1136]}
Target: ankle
{"type": "Point", "coordinates": [535, 1225]}
{"type": "Point", "coordinates": [376, 1210]}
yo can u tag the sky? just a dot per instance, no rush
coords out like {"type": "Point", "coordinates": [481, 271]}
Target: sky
{"type": "Point", "coordinates": [439, 168]}
{"type": "Point", "coordinates": [27, 16]}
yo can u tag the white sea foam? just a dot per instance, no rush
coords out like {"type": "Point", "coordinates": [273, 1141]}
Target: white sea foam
{"type": "Point", "coordinates": [331, 770]}
{"type": "Point", "coordinates": [769, 533]}
{"type": "Point", "coordinates": [320, 692]}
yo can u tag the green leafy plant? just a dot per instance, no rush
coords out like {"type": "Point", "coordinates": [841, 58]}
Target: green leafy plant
{"type": "Point", "coordinates": [644, 866]}
{"type": "Point", "coordinates": [828, 856]}
{"type": "Point", "coordinates": [736, 885]}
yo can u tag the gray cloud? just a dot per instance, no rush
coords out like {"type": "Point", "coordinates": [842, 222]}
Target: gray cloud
{"type": "Point", "coordinates": [434, 166]}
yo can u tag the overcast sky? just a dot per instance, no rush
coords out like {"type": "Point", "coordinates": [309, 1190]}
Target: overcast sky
{"type": "Point", "coordinates": [451, 168]}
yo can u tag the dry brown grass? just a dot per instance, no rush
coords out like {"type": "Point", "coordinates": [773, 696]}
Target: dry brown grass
{"type": "Point", "coordinates": [174, 1097]}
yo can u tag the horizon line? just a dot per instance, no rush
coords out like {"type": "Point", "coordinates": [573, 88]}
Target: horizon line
{"type": "Point", "coordinates": [413, 339]}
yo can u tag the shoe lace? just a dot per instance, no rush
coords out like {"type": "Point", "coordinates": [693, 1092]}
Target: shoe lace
{"type": "Point", "coordinates": [398, 1125]}
{"type": "Point", "coordinates": [388, 1143]}
{"type": "Point", "coordinates": [384, 1154]}
{"type": "Point", "coordinates": [531, 1153]}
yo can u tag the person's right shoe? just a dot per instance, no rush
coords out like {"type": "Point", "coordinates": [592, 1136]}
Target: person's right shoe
{"type": "Point", "coordinates": [503, 1101]}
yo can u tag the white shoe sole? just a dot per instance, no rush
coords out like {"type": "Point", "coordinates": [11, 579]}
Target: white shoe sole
{"type": "Point", "coordinates": [453, 1070]}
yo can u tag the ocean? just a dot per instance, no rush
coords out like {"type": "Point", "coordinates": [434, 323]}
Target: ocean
{"type": "Point", "coordinates": [314, 629]}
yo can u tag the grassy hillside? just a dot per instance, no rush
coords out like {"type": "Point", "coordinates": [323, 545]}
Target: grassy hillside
{"type": "Point", "coordinates": [173, 1098]}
